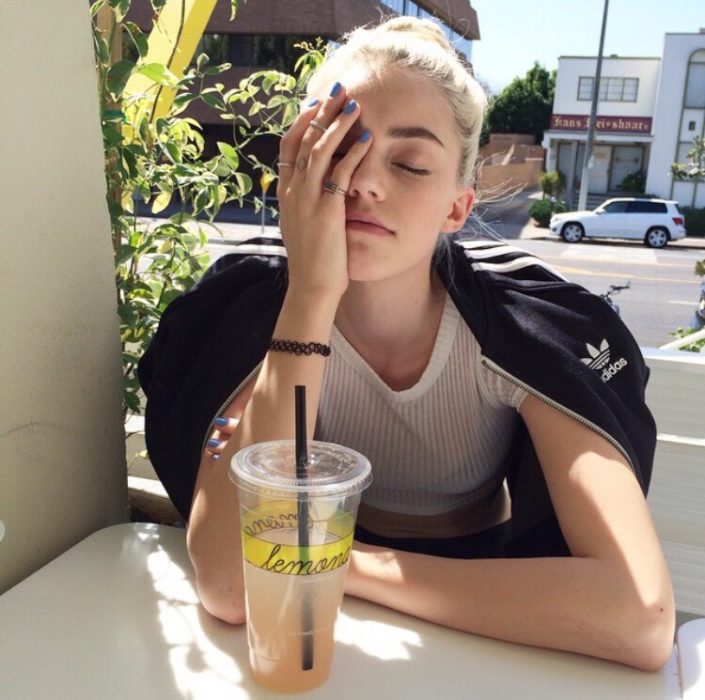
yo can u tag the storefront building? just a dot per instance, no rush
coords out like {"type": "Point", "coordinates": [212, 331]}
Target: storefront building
{"type": "Point", "coordinates": [649, 110]}
{"type": "Point", "coordinates": [623, 129]}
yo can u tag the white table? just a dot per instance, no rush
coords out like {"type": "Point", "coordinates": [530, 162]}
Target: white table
{"type": "Point", "coordinates": [117, 617]}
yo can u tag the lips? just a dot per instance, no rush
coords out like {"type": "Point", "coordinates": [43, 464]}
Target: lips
{"type": "Point", "coordinates": [368, 224]}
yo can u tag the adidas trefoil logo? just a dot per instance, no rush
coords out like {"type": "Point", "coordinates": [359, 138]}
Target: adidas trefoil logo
{"type": "Point", "coordinates": [600, 360]}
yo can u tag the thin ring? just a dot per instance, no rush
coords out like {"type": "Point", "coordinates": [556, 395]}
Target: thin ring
{"type": "Point", "coordinates": [284, 164]}
{"type": "Point", "coordinates": [317, 125]}
{"type": "Point", "coordinates": [332, 188]}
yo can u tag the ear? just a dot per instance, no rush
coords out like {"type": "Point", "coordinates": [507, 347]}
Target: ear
{"type": "Point", "coordinates": [459, 211]}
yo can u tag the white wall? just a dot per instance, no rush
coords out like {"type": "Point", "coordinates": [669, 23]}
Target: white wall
{"type": "Point", "coordinates": [571, 68]}
{"type": "Point", "coordinates": [677, 49]}
{"type": "Point", "coordinates": [62, 459]}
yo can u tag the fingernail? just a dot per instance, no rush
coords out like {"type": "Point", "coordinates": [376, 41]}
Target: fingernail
{"type": "Point", "coordinates": [335, 89]}
{"type": "Point", "coordinates": [349, 107]}
{"type": "Point", "coordinates": [313, 102]}
{"type": "Point", "coordinates": [365, 136]}
{"type": "Point", "coordinates": [212, 442]}
{"type": "Point", "coordinates": [220, 421]}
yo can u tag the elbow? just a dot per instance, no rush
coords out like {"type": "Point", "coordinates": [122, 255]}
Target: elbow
{"type": "Point", "coordinates": [648, 642]}
{"type": "Point", "coordinates": [219, 582]}
{"type": "Point", "coordinates": [221, 602]}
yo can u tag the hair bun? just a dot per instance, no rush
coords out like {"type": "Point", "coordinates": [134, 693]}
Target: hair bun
{"type": "Point", "coordinates": [422, 28]}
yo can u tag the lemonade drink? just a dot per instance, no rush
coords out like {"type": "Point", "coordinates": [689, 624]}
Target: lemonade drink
{"type": "Point", "coordinates": [294, 587]}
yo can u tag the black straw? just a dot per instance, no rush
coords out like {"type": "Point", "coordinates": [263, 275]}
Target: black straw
{"type": "Point", "coordinates": [302, 517]}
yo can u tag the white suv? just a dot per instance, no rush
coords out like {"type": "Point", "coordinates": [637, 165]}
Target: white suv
{"type": "Point", "coordinates": [655, 221]}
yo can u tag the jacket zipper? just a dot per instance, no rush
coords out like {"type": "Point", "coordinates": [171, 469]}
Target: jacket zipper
{"type": "Point", "coordinates": [231, 396]}
{"type": "Point", "coordinates": [559, 407]}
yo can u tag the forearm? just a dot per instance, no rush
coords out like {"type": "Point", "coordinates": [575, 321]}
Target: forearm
{"type": "Point", "coordinates": [214, 529]}
{"type": "Point", "coordinates": [568, 603]}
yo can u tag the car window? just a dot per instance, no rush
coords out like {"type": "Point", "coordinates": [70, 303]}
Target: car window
{"type": "Point", "coordinates": [616, 207]}
{"type": "Point", "coordinates": [645, 207]}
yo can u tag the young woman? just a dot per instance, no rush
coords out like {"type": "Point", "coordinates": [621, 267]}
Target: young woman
{"type": "Point", "coordinates": [502, 408]}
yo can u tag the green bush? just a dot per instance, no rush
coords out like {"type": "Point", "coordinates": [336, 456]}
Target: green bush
{"type": "Point", "coordinates": [634, 182]}
{"type": "Point", "coordinates": [552, 183]}
{"type": "Point", "coordinates": [694, 221]}
{"type": "Point", "coordinates": [542, 210]}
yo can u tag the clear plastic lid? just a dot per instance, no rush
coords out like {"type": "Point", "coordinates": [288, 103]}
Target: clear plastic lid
{"type": "Point", "coordinates": [331, 470]}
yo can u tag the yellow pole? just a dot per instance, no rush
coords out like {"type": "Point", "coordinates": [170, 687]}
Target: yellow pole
{"type": "Point", "coordinates": [172, 43]}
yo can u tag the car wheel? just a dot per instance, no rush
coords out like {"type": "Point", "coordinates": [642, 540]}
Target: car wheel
{"type": "Point", "coordinates": [656, 238]}
{"type": "Point", "coordinates": [572, 232]}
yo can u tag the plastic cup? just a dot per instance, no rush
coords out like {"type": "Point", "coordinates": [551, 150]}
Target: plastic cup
{"type": "Point", "coordinates": [297, 535]}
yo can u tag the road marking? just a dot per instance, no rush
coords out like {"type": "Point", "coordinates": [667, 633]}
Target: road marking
{"type": "Point", "coordinates": [590, 273]}
{"type": "Point", "coordinates": [593, 252]}
{"type": "Point", "coordinates": [685, 303]}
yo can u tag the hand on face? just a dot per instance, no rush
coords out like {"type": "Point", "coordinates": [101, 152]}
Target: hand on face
{"type": "Point", "coordinates": [313, 219]}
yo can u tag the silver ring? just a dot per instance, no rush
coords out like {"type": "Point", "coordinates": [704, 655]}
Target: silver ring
{"type": "Point", "coordinates": [284, 164]}
{"type": "Point", "coordinates": [331, 187]}
{"type": "Point", "coordinates": [317, 125]}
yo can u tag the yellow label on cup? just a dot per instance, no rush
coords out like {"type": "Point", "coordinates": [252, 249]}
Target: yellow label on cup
{"type": "Point", "coordinates": [293, 560]}
{"type": "Point", "coordinates": [269, 531]}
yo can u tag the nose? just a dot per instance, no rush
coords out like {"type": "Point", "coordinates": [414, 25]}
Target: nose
{"type": "Point", "coordinates": [367, 180]}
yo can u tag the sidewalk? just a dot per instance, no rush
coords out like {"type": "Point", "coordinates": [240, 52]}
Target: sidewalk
{"type": "Point", "coordinates": [508, 217]}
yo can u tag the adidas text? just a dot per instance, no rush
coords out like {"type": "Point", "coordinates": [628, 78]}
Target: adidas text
{"type": "Point", "coordinates": [609, 371]}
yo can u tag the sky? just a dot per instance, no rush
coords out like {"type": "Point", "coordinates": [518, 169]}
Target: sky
{"type": "Point", "coordinates": [515, 33]}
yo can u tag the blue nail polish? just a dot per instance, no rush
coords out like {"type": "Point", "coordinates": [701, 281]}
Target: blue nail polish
{"type": "Point", "coordinates": [212, 442]}
{"type": "Point", "coordinates": [220, 421]}
{"type": "Point", "coordinates": [313, 102]}
{"type": "Point", "coordinates": [349, 107]}
{"type": "Point", "coordinates": [335, 89]}
{"type": "Point", "coordinates": [365, 136]}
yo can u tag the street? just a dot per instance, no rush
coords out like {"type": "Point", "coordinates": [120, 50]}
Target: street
{"type": "Point", "coordinates": [664, 288]}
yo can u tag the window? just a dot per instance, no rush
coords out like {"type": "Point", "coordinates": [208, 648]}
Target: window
{"type": "Point", "coordinates": [264, 50]}
{"type": "Point", "coordinates": [644, 207]}
{"type": "Point", "coordinates": [695, 91]}
{"type": "Point", "coordinates": [611, 89]}
{"type": "Point", "coordinates": [396, 5]}
{"type": "Point", "coordinates": [616, 207]}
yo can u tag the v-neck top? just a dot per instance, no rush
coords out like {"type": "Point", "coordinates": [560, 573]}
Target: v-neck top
{"type": "Point", "coordinates": [434, 447]}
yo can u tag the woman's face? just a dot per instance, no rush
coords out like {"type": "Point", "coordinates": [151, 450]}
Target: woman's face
{"type": "Point", "coordinates": [405, 190]}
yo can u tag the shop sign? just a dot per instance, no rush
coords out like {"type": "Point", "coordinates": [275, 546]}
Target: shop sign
{"type": "Point", "coordinates": [623, 125]}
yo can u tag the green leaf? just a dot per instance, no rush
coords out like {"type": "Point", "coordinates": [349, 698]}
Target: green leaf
{"type": "Point", "coordinates": [229, 153]}
{"type": "Point", "coordinates": [112, 115]}
{"type": "Point", "coordinates": [111, 137]}
{"type": "Point", "coordinates": [138, 38]}
{"type": "Point", "coordinates": [213, 100]}
{"type": "Point", "coordinates": [102, 49]}
{"type": "Point", "coordinates": [159, 73]}
{"type": "Point", "coordinates": [96, 6]}
{"type": "Point", "coordinates": [244, 182]}
{"type": "Point", "coordinates": [118, 75]}
{"type": "Point", "coordinates": [233, 9]}
{"type": "Point", "coordinates": [217, 70]}
{"type": "Point", "coordinates": [161, 202]}
{"type": "Point", "coordinates": [124, 253]}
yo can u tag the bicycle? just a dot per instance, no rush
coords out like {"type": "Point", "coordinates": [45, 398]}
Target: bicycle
{"type": "Point", "coordinates": [614, 289]}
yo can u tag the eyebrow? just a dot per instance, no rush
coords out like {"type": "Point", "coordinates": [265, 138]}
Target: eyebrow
{"type": "Point", "coordinates": [413, 132]}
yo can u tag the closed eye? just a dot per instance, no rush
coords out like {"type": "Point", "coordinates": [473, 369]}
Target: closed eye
{"type": "Point", "coordinates": [412, 171]}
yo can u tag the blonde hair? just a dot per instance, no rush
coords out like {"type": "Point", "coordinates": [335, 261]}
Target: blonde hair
{"type": "Point", "coordinates": [421, 46]}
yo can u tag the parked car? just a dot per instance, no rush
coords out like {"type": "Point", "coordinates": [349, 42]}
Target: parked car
{"type": "Point", "coordinates": [654, 221]}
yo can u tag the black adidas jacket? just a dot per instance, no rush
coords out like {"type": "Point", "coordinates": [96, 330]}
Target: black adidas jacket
{"type": "Point", "coordinates": [560, 342]}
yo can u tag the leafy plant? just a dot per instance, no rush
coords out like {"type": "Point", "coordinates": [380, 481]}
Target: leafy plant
{"type": "Point", "coordinates": [543, 209]}
{"type": "Point", "coordinates": [694, 168]}
{"type": "Point", "coordinates": [552, 183]}
{"type": "Point", "coordinates": [694, 221]}
{"type": "Point", "coordinates": [161, 162]}
{"type": "Point", "coordinates": [634, 182]}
